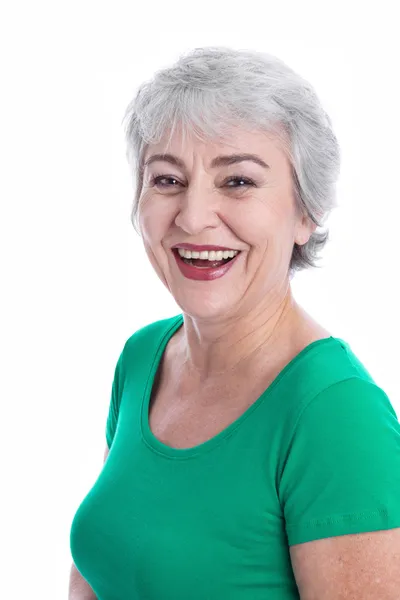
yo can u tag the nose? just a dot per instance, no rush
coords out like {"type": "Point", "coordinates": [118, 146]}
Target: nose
{"type": "Point", "coordinates": [198, 210]}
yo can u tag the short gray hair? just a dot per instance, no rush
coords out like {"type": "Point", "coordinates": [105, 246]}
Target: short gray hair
{"type": "Point", "coordinates": [210, 89]}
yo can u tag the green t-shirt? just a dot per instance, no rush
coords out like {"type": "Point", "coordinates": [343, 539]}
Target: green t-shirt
{"type": "Point", "coordinates": [317, 455]}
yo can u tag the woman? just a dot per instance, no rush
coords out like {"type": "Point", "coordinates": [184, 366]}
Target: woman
{"type": "Point", "coordinates": [252, 455]}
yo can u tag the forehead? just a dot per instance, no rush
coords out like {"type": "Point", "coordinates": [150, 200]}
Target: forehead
{"type": "Point", "coordinates": [269, 146]}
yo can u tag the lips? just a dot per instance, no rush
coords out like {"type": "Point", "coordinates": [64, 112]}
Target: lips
{"type": "Point", "coordinates": [200, 248]}
{"type": "Point", "coordinates": [203, 273]}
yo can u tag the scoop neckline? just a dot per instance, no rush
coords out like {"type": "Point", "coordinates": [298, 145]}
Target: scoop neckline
{"type": "Point", "coordinates": [183, 453]}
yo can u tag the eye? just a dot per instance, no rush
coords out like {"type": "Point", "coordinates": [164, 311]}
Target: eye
{"type": "Point", "coordinates": [237, 178]}
{"type": "Point", "coordinates": [156, 181]}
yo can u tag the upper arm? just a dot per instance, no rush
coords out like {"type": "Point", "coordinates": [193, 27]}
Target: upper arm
{"type": "Point", "coordinates": [115, 400]}
{"type": "Point", "coordinates": [363, 566]}
{"type": "Point", "coordinates": [341, 473]}
{"type": "Point", "coordinates": [340, 495]}
{"type": "Point", "coordinates": [106, 453]}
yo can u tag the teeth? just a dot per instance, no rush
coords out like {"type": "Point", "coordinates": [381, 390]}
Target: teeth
{"type": "Point", "coordinates": [208, 255]}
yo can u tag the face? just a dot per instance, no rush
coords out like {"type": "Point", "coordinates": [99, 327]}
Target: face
{"type": "Point", "coordinates": [243, 206]}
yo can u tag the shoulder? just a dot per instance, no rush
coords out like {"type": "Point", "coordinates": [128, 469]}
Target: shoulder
{"type": "Point", "coordinates": [142, 345]}
{"type": "Point", "coordinates": [159, 327]}
{"type": "Point", "coordinates": [351, 405]}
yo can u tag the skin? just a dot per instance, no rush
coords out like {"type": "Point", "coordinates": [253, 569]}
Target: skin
{"type": "Point", "coordinates": [236, 325]}
{"type": "Point", "coordinates": [248, 319]}
{"type": "Point", "coordinates": [249, 315]}
{"type": "Point", "coordinates": [360, 566]}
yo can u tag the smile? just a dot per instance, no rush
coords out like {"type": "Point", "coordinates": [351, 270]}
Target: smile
{"type": "Point", "coordinates": [204, 269]}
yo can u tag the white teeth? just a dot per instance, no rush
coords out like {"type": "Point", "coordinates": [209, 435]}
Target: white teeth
{"type": "Point", "coordinates": [208, 255]}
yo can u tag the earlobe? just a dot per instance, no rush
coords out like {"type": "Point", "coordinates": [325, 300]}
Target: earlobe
{"type": "Point", "coordinates": [301, 240]}
{"type": "Point", "coordinates": [302, 237]}
{"type": "Point", "coordinates": [305, 231]}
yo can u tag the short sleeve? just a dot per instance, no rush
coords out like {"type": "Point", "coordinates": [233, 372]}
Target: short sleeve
{"type": "Point", "coordinates": [115, 400]}
{"type": "Point", "coordinates": [341, 473]}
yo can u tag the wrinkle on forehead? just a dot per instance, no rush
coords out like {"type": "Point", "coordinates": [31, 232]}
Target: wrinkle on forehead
{"type": "Point", "coordinates": [239, 140]}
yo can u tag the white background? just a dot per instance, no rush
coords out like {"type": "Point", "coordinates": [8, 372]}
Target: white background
{"type": "Point", "coordinates": [75, 280]}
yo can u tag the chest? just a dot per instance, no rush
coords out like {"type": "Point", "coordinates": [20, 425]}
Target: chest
{"type": "Point", "coordinates": [184, 420]}
{"type": "Point", "coordinates": [208, 527]}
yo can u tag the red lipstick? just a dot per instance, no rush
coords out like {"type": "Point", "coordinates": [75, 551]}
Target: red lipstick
{"type": "Point", "coordinates": [203, 273]}
{"type": "Point", "coordinates": [200, 248]}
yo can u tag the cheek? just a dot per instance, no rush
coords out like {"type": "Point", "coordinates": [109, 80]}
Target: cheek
{"type": "Point", "coordinates": [154, 228]}
{"type": "Point", "coordinates": [151, 222]}
{"type": "Point", "coordinates": [267, 229]}
{"type": "Point", "coordinates": [252, 224]}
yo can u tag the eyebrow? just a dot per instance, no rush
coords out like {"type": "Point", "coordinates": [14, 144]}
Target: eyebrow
{"type": "Point", "coordinates": [218, 161]}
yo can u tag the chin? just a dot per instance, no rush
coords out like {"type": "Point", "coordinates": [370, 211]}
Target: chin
{"type": "Point", "coordinates": [204, 308]}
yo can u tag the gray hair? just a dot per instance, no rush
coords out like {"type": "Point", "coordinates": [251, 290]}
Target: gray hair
{"type": "Point", "coordinates": [210, 89]}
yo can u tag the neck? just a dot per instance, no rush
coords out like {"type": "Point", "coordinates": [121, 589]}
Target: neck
{"type": "Point", "coordinates": [210, 351]}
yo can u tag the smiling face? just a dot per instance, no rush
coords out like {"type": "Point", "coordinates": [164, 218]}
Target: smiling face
{"type": "Point", "coordinates": [198, 201]}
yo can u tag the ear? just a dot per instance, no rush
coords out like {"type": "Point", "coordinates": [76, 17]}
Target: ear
{"type": "Point", "coordinates": [304, 229]}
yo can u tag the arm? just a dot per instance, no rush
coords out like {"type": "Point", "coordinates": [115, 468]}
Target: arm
{"type": "Point", "coordinates": [341, 491]}
{"type": "Point", "coordinates": [363, 566]}
{"type": "Point", "coordinates": [79, 589]}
